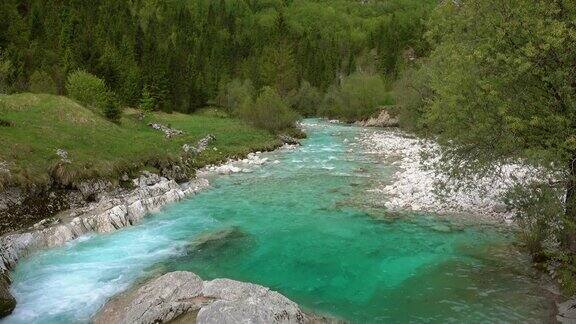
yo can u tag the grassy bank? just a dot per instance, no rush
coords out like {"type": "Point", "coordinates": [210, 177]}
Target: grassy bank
{"type": "Point", "coordinates": [33, 127]}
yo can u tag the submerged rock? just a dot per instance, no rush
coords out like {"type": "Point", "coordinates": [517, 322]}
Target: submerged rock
{"type": "Point", "coordinates": [442, 228]}
{"type": "Point", "coordinates": [184, 294]}
{"type": "Point", "coordinates": [217, 240]}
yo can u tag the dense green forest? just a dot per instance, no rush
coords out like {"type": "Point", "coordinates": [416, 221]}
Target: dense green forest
{"type": "Point", "coordinates": [181, 54]}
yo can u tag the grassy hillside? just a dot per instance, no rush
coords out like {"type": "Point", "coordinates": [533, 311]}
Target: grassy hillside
{"type": "Point", "coordinates": [33, 127]}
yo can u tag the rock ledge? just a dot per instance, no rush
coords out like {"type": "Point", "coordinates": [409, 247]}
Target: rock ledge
{"type": "Point", "coordinates": [109, 214]}
{"type": "Point", "coordinates": [183, 296]}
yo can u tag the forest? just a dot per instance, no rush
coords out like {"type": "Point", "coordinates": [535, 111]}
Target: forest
{"type": "Point", "coordinates": [180, 55]}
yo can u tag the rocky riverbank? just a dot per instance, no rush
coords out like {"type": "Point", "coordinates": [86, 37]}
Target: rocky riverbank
{"type": "Point", "coordinates": [114, 209]}
{"type": "Point", "coordinates": [184, 297]}
{"type": "Point", "coordinates": [122, 209]}
{"type": "Point", "coordinates": [414, 185]}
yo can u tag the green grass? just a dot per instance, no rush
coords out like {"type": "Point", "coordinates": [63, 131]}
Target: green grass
{"type": "Point", "coordinates": [34, 126]}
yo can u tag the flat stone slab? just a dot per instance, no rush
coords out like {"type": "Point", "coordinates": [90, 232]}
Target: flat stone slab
{"type": "Point", "coordinates": [183, 295]}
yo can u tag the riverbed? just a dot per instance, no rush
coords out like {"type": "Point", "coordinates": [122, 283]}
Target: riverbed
{"type": "Point", "coordinates": [307, 225]}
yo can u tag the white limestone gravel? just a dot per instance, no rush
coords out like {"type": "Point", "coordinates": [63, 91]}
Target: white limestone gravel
{"type": "Point", "coordinates": [414, 183]}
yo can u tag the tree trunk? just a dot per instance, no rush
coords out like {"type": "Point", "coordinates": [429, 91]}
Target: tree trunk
{"type": "Point", "coordinates": [570, 222]}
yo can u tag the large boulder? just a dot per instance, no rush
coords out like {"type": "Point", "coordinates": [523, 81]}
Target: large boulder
{"type": "Point", "coordinates": [184, 296]}
{"type": "Point", "coordinates": [160, 300]}
{"type": "Point", "coordinates": [240, 302]}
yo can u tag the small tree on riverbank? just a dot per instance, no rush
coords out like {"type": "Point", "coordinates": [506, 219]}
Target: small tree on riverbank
{"type": "Point", "coordinates": [92, 92]}
{"type": "Point", "coordinates": [268, 111]}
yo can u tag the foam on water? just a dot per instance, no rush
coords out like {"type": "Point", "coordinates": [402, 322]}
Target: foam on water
{"type": "Point", "coordinates": [307, 231]}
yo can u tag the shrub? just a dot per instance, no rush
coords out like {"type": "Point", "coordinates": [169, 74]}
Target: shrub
{"type": "Point", "coordinates": [268, 111]}
{"type": "Point", "coordinates": [359, 97]}
{"type": "Point", "coordinates": [306, 100]}
{"type": "Point", "coordinates": [112, 110]}
{"type": "Point", "coordinates": [88, 90]}
{"type": "Point", "coordinates": [42, 82]}
{"type": "Point", "coordinates": [233, 94]}
{"type": "Point", "coordinates": [412, 93]}
{"type": "Point", "coordinates": [538, 210]}
{"type": "Point", "coordinates": [147, 102]}
{"type": "Point", "coordinates": [6, 70]}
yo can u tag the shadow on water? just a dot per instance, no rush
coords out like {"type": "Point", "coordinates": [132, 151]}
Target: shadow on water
{"type": "Point", "coordinates": [209, 250]}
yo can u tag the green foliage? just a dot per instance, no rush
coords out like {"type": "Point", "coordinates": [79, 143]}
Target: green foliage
{"type": "Point", "coordinates": [269, 111]}
{"type": "Point", "coordinates": [183, 50]}
{"type": "Point", "coordinates": [359, 97]}
{"type": "Point", "coordinates": [566, 274]}
{"type": "Point", "coordinates": [233, 94]}
{"type": "Point", "coordinates": [412, 94]}
{"type": "Point", "coordinates": [277, 68]}
{"type": "Point", "coordinates": [42, 82]}
{"type": "Point", "coordinates": [537, 207]}
{"type": "Point", "coordinates": [88, 90]}
{"type": "Point", "coordinates": [6, 69]}
{"type": "Point", "coordinates": [147, 102]}
{"type": "Point", "coordinates": [499, 86]}
{"type": "Point", "coordinates": [504, 72]}
{"type": "Point", "coordinates": [306, 100]}
{"type": "Point", "coordinates": [112, 109]}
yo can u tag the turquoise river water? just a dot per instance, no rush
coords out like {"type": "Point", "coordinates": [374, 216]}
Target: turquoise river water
{"type": "Point", "coordinates": [304, 227]}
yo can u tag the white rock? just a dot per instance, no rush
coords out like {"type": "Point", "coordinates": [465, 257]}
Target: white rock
{"type": "Point", "coordinates": [413, 186]}
{"type": "Point", "coordinates": [220, 301]}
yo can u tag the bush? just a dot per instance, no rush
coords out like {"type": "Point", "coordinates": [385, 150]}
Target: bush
{"type": "Point", "coordinates": [358, 98]}
{"type": "Point", "coordinates": [42, 82]}
{"type": "Point", "coordinates": [233, 94]}
{"type": "Point", "coordinates": [88, 90]}
{"type": "Point", "coordinates": [269, 111]}
{"type": "Point", "coordinates": [412, 93]}
{"type": "Point", "coordinates": [112, 110]}
{"type": "Point", "coordinates": [147, 102]}
{"type": "Point", "coordinates": [539, 211]}
{"type": "Point", "coordinates": [6, 70]}
{"type": "Point", "coordinates": [306, 100]}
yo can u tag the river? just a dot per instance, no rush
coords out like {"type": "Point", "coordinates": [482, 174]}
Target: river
{"type": "Point", "coordinates": [305, 227]}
